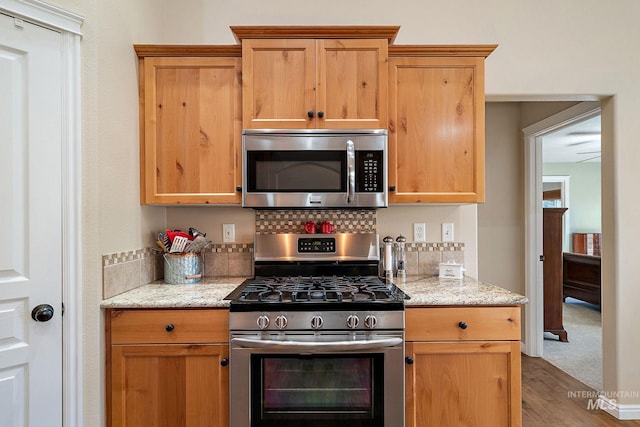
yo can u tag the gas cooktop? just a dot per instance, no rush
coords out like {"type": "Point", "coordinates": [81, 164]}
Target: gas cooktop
{"type": "Point", "coordinates": [303, 272]}
{"type": "Point", "coordinates": [316, 292]}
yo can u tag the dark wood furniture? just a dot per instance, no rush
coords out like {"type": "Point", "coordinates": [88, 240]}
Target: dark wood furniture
{"type": "Point", "coordinates": [552, 267]}
{"type": "Point", "coordinates": [581, 277]}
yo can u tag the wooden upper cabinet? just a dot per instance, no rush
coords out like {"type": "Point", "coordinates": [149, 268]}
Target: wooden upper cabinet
{"type": "Point", "coordinates": [314, 83]}
{"type": "Point", "coordinates": [436, 126]}
{"type": "Point", "coordinates": [352, 84]}
{"type": "Point", "coordinates": [190, 129]}
{"type": "Point", "coordinates": [278, 83]}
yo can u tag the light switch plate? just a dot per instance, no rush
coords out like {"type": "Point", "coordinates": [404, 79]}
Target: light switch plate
{"type": "Point", "coordinates": [419, 232]}
{"type": "Point", "coordinates": [447, 232]}
{"type": "Point", "coordinates": [228, 233]}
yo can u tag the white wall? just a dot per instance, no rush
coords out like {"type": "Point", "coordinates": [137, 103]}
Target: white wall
{"type": "Point", "coordinates": [501, 217]}
{"type": "Point", "coordinates": [584, 194]}
{"type": "Point", "coordinates": [549, 50]}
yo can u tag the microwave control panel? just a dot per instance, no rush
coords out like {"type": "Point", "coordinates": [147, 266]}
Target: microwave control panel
{"type": "Point", "coordinates": [369, 178]}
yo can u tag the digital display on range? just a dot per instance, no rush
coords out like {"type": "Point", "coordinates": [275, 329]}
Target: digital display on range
{"type": "Point", "coordinates": [317, 244]}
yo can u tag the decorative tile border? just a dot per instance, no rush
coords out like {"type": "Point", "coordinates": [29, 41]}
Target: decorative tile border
{"type": "Point", "coordinates": [292, 221]}
{"type": "Point", "coordinates": [122, 257]}
{"type": "Point", "coordinates": [230, 248]}
{"type": "Point", "coordinates": [126, 270]}
{"type": "Point", "coordinates": [434, 246]}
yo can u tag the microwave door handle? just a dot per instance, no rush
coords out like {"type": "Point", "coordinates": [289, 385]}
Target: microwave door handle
{"type": "Point", "coordinates": [322, 346]}
{"type": "Point", "coordinates": [351, 174]}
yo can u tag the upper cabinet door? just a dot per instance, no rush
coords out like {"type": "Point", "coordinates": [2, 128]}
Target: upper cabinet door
{"type": "Point", "coordinates": [352, 83]}
{"type": "Point", "coordinates": [436, 130]}
{"type": "Point", "coordinates": [308, 84]}
{"type": "Point", "coordinates": [278, 82]}
{"type": "Point", "coordinates": [191, 137]}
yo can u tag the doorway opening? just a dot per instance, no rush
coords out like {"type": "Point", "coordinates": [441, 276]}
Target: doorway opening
{"type": "Point", "coordinates": [564, 148]}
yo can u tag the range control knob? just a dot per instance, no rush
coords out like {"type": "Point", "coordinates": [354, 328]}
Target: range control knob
{"type": "Point", "coordinates": [370, 321]}
{"type": "Point", "coordinates": [317, 322]}
{"type": "Point", "coordinates": [352, 321]}
{"type": "Point", "coordinates": [281, 322]}
{"type": "Point", "coordinates": [263, 322]}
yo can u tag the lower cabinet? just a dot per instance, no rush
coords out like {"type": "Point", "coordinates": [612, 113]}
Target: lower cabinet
{"type": "Point", "coordinates": [463, 367]}
{"type": "Point", "coordinates": [167, 368]}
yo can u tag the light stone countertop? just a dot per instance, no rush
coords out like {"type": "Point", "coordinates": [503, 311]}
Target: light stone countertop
{"type": "Point", "coordinates": [210, 292]}
{"type": "Point", "coordinates": [432, 291]}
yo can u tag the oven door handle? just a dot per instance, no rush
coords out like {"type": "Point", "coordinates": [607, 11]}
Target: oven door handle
{"type": "Point", "coordinates": [322, 346]}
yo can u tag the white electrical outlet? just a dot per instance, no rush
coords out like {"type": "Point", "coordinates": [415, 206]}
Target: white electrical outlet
{"type": "Point", "coordinates": [447, 232]}
{"type": "Point", "coordinates": [228, 233]}
{"type": "Point", "coordinates": [419, 232]}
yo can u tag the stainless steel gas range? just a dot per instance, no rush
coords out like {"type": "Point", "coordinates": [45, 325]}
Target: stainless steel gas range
{"type": "Point", "coordinates": [317, 338]}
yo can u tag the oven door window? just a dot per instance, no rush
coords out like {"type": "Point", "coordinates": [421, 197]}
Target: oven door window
{"type": "Point", "coordinates": [297, 171]}
{"type": "Point", "coordinates": [318, 390]}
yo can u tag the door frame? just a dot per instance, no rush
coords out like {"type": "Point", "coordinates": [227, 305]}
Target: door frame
{"type": "Point", "coordinates": [68, 25]}
{"type": "Point", "coordinates": [533, 135]}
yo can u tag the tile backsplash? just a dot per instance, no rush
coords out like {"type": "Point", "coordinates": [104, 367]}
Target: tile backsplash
{"type": "Point", "coordinates": [292, 221]}
{"type": "Point", "coordinates": [127, 270]}
{"type": "Point", "coordinates": [124, 271]}
{"type": "Point", "coordinates": [423, 258]}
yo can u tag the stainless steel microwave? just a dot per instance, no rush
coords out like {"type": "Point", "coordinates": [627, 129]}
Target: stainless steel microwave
{"type": "Point", "coordinates": [314, 168]}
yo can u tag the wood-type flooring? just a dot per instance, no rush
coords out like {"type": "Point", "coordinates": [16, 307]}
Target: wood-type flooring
{"type": "Point", "coordinates": [552, 398]}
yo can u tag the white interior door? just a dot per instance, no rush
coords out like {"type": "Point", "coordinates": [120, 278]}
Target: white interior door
{"type": "Point", "coordinates": [31, 219]}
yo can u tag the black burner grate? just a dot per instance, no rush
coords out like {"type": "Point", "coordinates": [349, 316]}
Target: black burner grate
{"type": "Point", "coordinates": [317, 289]}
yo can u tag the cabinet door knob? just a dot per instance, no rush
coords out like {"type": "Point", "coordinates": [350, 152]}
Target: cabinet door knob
{"type": "Point", "coordinates": [321, 114]}
{"type": "Point", "coordinates": [310, 113]}
{"type": "Point", "coordinates": [169, 327]}
{"type": "Point", "coordinates": [224, 362]}
{"type": "Point", "coordinates": [409, 360]}
{"type": "Point", "coordinates": [392, 188]}
{"type": "Point", "coordinates": [463, 325]}
{"type": "Point", "coordinates": [238, 187]}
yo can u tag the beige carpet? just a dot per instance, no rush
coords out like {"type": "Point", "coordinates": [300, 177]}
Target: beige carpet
{"type": "Point", "coordinates": [581, 357]}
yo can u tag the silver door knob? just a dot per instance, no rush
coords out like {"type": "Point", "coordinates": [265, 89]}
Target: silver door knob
{"type": "Point", "coordinates": [42, 313]}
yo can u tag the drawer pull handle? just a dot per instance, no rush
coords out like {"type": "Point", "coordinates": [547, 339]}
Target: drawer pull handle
{"type": "Point", "coordinates": [224, 362]}
{"type": "Point", "coordinates": [169, 327]}
{"type": "Point", "coordinates": [409, 360]}
{"type": "Point", "coordinates": [463, 325]}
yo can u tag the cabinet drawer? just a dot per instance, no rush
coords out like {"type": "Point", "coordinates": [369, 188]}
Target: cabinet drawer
{"type": "Point", "coordinates": [140, 326]}
{"type": "Point", "coordinates": [462, 323]}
